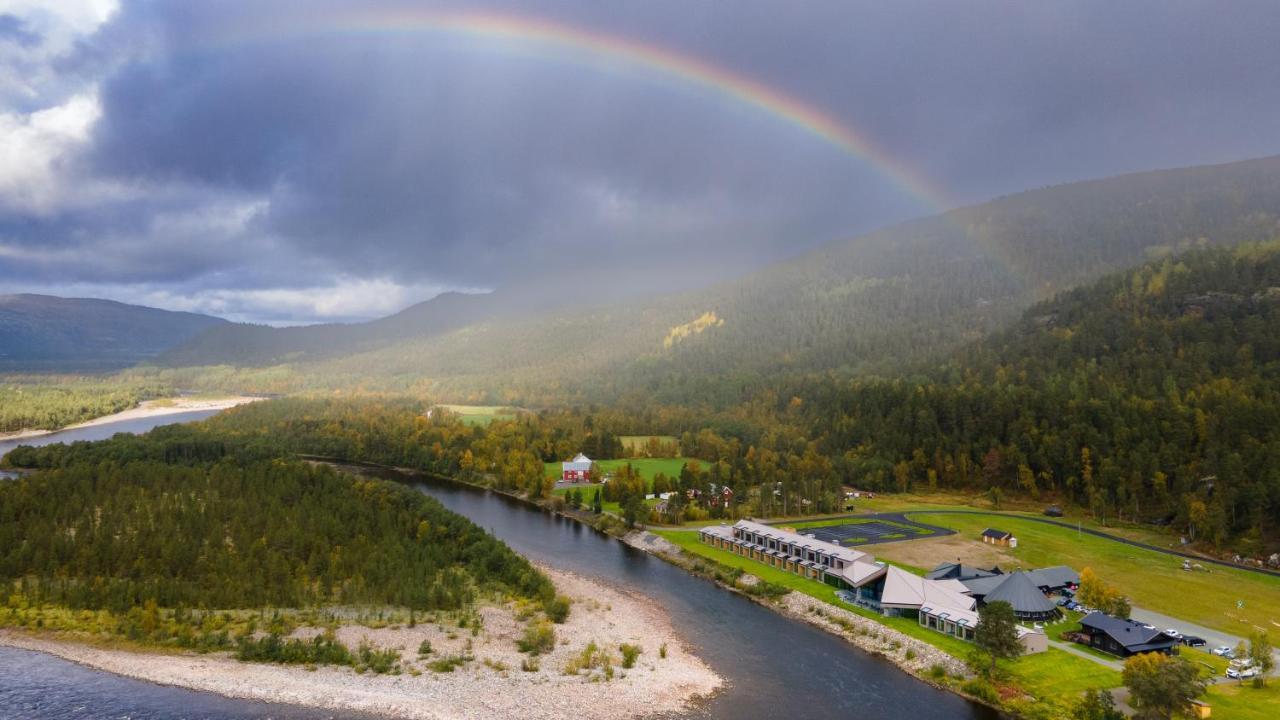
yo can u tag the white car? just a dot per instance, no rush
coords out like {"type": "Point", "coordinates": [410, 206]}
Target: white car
{"type": "Point", "coordinates": [1173, 634]}
{"type": "Point", "coordinates": [1243, 673]}
{"type": "Point", "coordinates": [1224, 651]}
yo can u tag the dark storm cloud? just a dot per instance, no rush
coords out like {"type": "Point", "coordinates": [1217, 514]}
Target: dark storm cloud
{"type": "Point", "coordinates": [14, 29]}
{"type": "Point", "coordinates": [434, 161]}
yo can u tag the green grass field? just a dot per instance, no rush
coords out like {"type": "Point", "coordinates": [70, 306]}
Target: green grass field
{"type": "Point", "coordinates": [481, 414]}
{"type": "Point", "coordinates": [1150, 579]}
{"type": "Point", "coordinates": [647, 467]}
{"type": "Point", "coordinates": [1055, 678]}
{"type": "Point", "coordinates": [633, 443]}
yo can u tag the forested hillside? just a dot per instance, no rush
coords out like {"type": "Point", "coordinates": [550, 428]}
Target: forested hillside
{"type": "Point", "coordinates": [902, 295]}
{"type": "Point", "coordinates": [39, 332]}
{"type": "Point", "coordinates": [1151, 395]}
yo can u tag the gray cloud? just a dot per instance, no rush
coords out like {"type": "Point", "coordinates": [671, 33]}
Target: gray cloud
{"type": "Point", "coordinates": [246, 176]}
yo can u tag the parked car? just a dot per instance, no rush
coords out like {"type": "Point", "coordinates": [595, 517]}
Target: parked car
{"type": "Point", "coordinates": [1053, 511]}
{"type": "Point", "coordinates": [1193, 641]}
{"type": "Point", "coordinates": [1242, 673]}
{"type": "Point", "coordinates": [1173, 634]}
{"type": "Point", "coordinates": [1062, 602]}
{"type": "Point", "coordinates": [1225, 651]}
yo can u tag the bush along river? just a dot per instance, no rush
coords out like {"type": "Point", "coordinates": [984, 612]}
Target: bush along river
{"type": "Point", "coordinates": [774, 666]}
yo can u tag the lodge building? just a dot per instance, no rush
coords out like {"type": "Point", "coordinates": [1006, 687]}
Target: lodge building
{"type": "Point", "coordinates": [942, 604]}
{"type": "Point", "coordinates": [784, 550]}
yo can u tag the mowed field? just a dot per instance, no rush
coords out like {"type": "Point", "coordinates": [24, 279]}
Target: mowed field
{"type": "Point", "coordinates": [647, 467]}
{"type": "Point", "coordinates": [481, 414]}
{"type": "Point", "coordinates": [634, 443]}
{"type": "Point", "coordinates": [1151, 580]}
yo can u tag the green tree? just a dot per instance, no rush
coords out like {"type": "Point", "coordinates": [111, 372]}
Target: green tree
{"type": "Point", "coordinates": [997, 633]}
{"type": "Point", "coordinates": [1262, 655]}
{"type": "Point", "coordinates": [1096, 704]}
{"type": "Point", "coordinates": [1161, 686]}
{"type": "Point", "coordinates": [597, 503]}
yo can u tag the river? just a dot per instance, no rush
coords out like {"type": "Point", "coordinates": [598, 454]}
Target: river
{"type": "Point", "coordinates": [774, 666]}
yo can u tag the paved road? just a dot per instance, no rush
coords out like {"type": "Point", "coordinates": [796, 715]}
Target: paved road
{"type": "Point", "coordinates": [1213, 638]}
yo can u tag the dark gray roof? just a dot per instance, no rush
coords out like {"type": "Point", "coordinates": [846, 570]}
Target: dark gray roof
{"type": "Point", "coordinates": [1135, 636]}
{"type": "Point", "coordinates": [1018, 590]}
{"type": "Point", "coordinates": [980, 586]}
{"type": "Point", "coordinates": [957, 571]}
{"type": "Point", "coordinates": [997, 534]}
{"type": "Point", "coordinates": [1054, 577]}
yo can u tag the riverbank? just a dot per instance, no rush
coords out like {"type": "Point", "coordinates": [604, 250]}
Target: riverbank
{"type": "Point", "coordinates": [145, 409]}
{"type": "Point", "coordinates": [667, 677]}
{"type": "Point", "coordinates": [908, 653]}
{"type": "Point", "coordinates": [911, 655]}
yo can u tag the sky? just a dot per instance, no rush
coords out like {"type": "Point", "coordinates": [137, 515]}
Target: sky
{"type": "Point", "coordinates": [294, 162]}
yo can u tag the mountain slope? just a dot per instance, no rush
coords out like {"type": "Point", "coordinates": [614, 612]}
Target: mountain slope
{"type": "Point", "coordinates": [898, 296]}
{"type": "Point", "coordinates": [45, 332]}
{"type": "Point", "coordinates": [244, 344]}
{"type": "Point", "coordinates": [1153, 394]}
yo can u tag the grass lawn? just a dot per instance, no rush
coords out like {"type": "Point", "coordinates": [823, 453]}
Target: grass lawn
{"type": "Point", "coordinates": [1054, 677]}
{"type": "Point", "coordinates": [481, 414]}
{"type": "Point", "coordinates": [1150, 579]}
{"type": "Point", "coordinates": [1235, 702]}
{"type": "Point", "coordinates": [897, 502]}
{"type": "Point", "coordinates": [639, 442]}
{"type": "Point", "coordinates": [647, 467]}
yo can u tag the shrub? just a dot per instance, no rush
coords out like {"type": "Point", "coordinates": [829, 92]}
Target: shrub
{"type": "Point", "coordinates": [629, 654]}
{"type": "Point", "coordinates": [937, 671]}
{"type": "Point", "coordinates": [319, 650]}
{"type": "Point", "coordinates": [557, 609]}
{"type": "Point", "coordinates": [448, 663]}
{"type": "Point", "coordinates": [529, 664]}
{"type": "Point", "coordinates": [538, 638]}
{"type": "Point", "coordinates": [982, 690]}
{"type": "Point", "coordinates": [662, 651]}
{"type": "Point", "coordinates": [589, 658]}
{"type": "Point", "coordinates": [379, 661]}
{"type": "Point", "coordinates": [424, 649]}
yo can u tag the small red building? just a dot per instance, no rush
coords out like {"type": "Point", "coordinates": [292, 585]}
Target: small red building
{"type": "Point", "coordinates": [576, 470]}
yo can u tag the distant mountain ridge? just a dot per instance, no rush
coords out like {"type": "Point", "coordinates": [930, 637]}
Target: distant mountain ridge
{"type": "Point", "coordinates": [245, 344]}
{"type": "Point", "coordinates": [876, 303]}
{"type": "Point", "coordinates": [873, 304]}
{"type": "Point", "coordinates": [43, 332]}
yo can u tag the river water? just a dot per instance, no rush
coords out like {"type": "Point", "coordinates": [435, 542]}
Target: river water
{"type": "Point", "coordinates": [775, 667]}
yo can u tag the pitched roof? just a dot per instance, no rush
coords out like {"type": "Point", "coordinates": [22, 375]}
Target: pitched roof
{"type": "Point", "coordinates": [581, 458]}
{"type": "Point", "coordinates": [980, 586]}
{"type": "Point", "coordinates": [902, 589]}
{"type": "Point", "coordinates": [997, 534]}
{"type": "Point", "coordinates": [805, 541]}
{"type": "Point", "coordinates": [1018, 590]}
{"type": "Point", "coordinates": [1133, 635]}
{"type": "Point", "coordinates": [957, 571]}
{"type": "Point", "coordinates": [861, 572]}
{"type": "Point", "coordinates": [1054, 577]}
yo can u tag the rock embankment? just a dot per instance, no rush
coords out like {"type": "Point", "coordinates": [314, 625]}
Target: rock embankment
{"type": "Point", "coordinates": [492, 684]}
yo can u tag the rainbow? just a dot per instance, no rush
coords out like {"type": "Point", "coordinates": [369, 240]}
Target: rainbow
{"type": "Point", "coordinates": [593, 46]}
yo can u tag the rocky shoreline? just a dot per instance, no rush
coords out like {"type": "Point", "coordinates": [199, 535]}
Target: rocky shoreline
{"type": "Point", "coordinates": [912, 655]}
{"type": "Point", "coordinates": [666, 677]}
